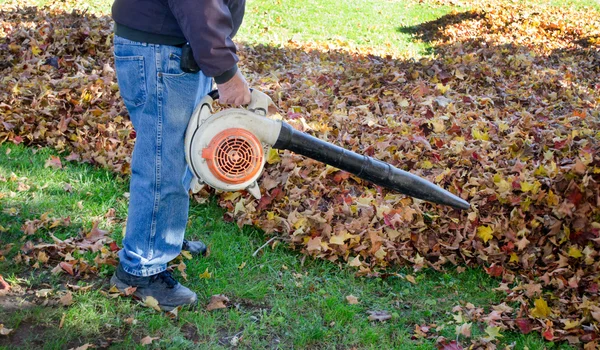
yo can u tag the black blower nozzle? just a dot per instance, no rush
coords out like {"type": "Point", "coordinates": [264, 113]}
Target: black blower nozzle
{"type": "Point", "coordinates": [367, 168]}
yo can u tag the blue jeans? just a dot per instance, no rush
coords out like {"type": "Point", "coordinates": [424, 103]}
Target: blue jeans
{"type": "Point", "coordinates": [160, 99]}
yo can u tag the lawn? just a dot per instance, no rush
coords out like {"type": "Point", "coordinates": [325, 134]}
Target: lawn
{"type": "Point", "coordinates": [277, 297]}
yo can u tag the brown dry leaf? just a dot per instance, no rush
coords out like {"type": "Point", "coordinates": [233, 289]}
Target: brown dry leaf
{"type": "Point", "coordinates": [4, 330]}
{"type": "Point", "coordinates": [84, 347]}
{"type": "Point", "coordinates": [464, 329]}
{"type": "Point", "coordinates": [217, 302]}
{"type": "Point", "coordinates": [68, 268]}
{"type": "Point", "coordinates": [130, 290]}
{"type": "Point", "coordinates": [352, 300]}
{"type": "Point", "coordinates": [411, 279]}
{"type": "Point", "coordinates": [147, 340]}
{"type": "Point", "coordinates": [53, 162]}
{"type": "Point", "coordinates": [67, 299]}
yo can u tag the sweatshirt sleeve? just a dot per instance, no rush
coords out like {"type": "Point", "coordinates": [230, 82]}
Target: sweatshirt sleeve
{"type": "Point", "coordinates": [209, 25]}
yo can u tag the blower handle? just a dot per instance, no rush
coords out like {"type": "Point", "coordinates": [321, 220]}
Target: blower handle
{"type": "Point", "coordinates": [215, 94]}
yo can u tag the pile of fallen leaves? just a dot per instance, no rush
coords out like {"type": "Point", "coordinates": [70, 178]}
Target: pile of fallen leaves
{"type": "Point", "coordinates": [506, 115]}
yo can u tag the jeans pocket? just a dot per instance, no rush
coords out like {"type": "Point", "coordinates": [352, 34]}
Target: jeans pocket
{"type": "Point", "coordinates": [132, 79]}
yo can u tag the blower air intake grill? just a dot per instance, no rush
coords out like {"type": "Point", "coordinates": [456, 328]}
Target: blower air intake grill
{"type": "Point", "coordinates": [234, 155]}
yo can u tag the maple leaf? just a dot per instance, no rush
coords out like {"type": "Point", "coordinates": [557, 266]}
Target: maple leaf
{"type": "Point", "coordinates": [352, 300]}
{"type": "Point", "coordinates": [541, 309]}
{"type": "Point", "coordinates": [464, 329]}
{"type": "Point", "coordinates": [147, 340]}
{"type": "Point", "coordinates": [493, 332]}
{"type": "Point", "coordinates": [525, 325]}
{"type": "Point", "coordinates": [452, 345]}
{"type": "Point", "coordinates": [485, 233]}
{"type": "Point", "coordinates": [151, 302]}
{"type": "Point", "coordinates": [217, 302]}
{"type": "Point", "coordinates": [53, 162]}
{"type": "Point", "coordinates": [205, 274]}
{"type": "Point", "coordinates": [67, 299]}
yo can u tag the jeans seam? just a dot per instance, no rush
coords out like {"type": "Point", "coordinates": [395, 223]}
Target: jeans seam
{"type": "Point", "coordinates": [158, 159]}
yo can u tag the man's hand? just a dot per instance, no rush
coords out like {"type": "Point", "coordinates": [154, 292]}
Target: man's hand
{"type": "Point", "coordinates": [235, 91]}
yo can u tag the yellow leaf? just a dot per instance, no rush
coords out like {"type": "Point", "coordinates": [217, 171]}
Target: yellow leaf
{"type": "Point", "coordinates": [493, 332]}
{"type": "Point", "coordinates": [426, 164]}
{"type": "Point", "coordinates": [485, 233]}
{"type": "Point", "coordinates": [273, 156]}
{"type": "Point", "coordinates": [36, 50]}
{"type": "Point", "coordinates": [574, 252]}
{"type": "Point", "coordinates": [231, 196]}
{"type": "Point", "coordinates": [151, 302]}
{"type": "Point", "coordinates": [186, 254]}
{"type": "Point", "coordinates": [571, 324]}
{"type": "Point", "coordinates": [551, 199]}
{"type": "Point", "coordinates": [514, 258]}
{"type": "Point", "coordinates": [478, 135]}
{"type": "Point", "coordinates": [242, 265]}
{"type": "Point", "coordinates": [355, 262]}
{"type": "Point", "coordinates": [526, 186]}
{"type": "Point", "coordinates": [411, 279]}
{"type": "Point", "coordinates": [338, 239]}
{"type": "Point", "coordinates": [205, 274]}
{"type": "Point", "coordinates": [380, 253]}
{"type": "Point", "coordinates": [541, 309]}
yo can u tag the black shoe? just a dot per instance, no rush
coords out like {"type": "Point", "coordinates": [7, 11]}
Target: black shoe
{"type": "Point", "coordinates": [194, 247]}
{"type": "Point", "coordinates": [163, 287]}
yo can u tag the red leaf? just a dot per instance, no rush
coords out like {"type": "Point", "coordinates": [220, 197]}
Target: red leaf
{"type": "Point", "coordinates": [453, 345]}
{"type": "Point", "coordinates": [67, 267]}
{"type": "Point", "coordinates": [4, 287]}
{"type": "Point", "coordinates": [494, 270]}
{"type": "Point", "coordinates": [524, 325]}
{"type": "Point", "coordinates": [264, 202]}
{"type": "Point", "coordinates": [113, 247]}
{"type": "Point", "coordinates": [341, 176]}
{"type": "Point", "coordinates": [575, 196]}
{"type": "Point", "coordinates": [548, 334]}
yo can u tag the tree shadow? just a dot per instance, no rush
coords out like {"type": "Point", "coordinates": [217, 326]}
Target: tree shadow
{"type": "Point", "coordinates": [506, 124]}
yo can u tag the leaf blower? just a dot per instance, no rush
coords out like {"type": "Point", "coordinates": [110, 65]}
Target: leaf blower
{"type": "Point", "coordinates": [228, 151]}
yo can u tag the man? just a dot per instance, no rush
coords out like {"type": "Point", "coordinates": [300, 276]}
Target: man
{"type": "Point", "coordinates": [160, 93]}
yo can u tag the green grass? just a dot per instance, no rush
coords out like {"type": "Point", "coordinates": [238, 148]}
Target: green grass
{"type": "Point", "coordinates": [277, 299]}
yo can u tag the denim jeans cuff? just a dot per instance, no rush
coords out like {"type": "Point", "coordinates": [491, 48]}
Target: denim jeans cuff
{"type": "Point", "coordinates": [145, 271]}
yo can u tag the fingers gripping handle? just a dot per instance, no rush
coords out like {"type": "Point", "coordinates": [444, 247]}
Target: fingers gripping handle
{"type": "Point", "coordinates": [260, 101]}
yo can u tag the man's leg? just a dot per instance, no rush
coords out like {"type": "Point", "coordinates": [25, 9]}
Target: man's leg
{"type": "Point", "coordinates": [160, 99]}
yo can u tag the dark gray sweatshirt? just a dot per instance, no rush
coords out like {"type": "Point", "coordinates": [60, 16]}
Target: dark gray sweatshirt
{"type": "Point", "coordinates": [208, 25]}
